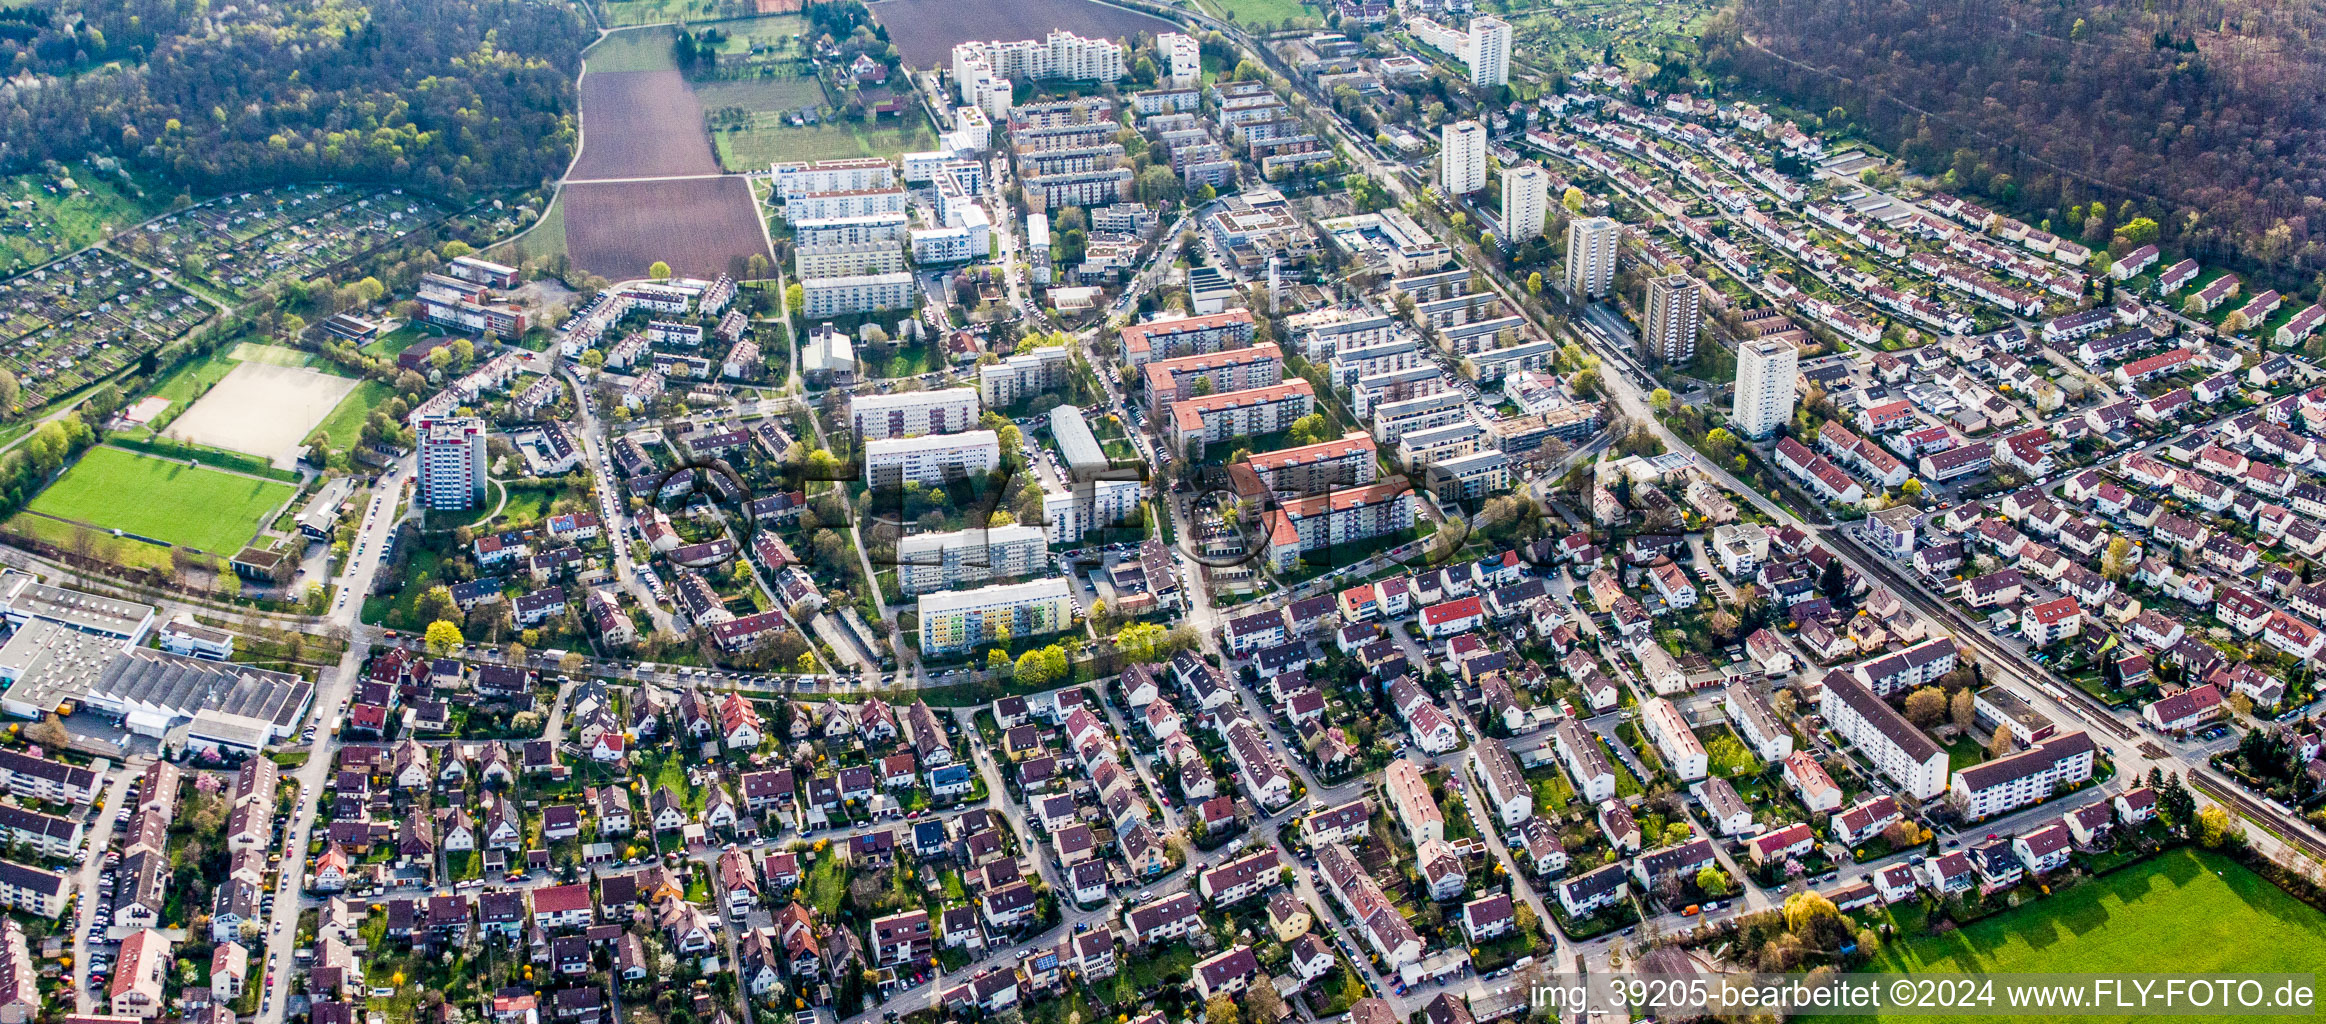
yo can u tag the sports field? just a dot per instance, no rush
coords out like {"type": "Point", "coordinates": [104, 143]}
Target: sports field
{"type": "Point", "coordinates": [169, 501]}
{"type": "Point", "coordinates": [345, 424]}
{"type": "Point", "coordinates": [2186, 912]}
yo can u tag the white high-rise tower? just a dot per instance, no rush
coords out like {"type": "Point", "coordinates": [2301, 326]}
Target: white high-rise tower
{"type": "Point", "coordinates": [1526, 197]}
{"type": "Point", "coordinates": [1489, 51]}
{"type": "Point", "coordinates": [1462, 157]}
{"type": "Point", "coordinates": [1591, 249]}
{"type": "Point", "coordinates": [1765, 369]}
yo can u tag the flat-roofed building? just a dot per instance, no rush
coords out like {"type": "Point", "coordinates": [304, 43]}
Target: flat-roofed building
{"type": "Point", "coordinates": [1240, 369]}
{"type": "Point", "coordinates": [930, 461]}
{"type": "Point", "coordinates": [912, 413]}
{"type": "Point", "coordinates": [1187, 335]}
{"type": "Point", "coordinates": [929, 562]}
{"type": "Point", "coordinates": [1904, 753]}
{"type": "Point", "coordinates": [1348, 461]}
{"type": "Point", "coordinates": [958, 620]}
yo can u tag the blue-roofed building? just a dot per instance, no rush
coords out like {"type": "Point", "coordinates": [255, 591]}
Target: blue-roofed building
{"type": "Point", "coordinates": [950, 782]}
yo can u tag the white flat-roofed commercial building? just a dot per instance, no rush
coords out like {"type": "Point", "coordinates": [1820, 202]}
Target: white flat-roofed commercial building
{"type": "Point", "coordinates": [452, 463]}
{"type": "Point", "coordinates": [1489, 51]}
{"type": "Point", "coordinates": [854, 174]}
{"type": "Point", "coordinates": [1765, 369]}
{"type": "Point", "coordinates": [1591, 250]}
{"type": "Point", "coordinates": [1526, 201]}
{"type": "Point", "coordinates": [1071, 514]}
{"type": "Point", "coordinates": [1904, 753]}
{"type": "Point", "coordinates": [1196, 422]}
{"type": "Point", "coordinates": [1024, 375]}
{"type": "Point", "coordinates": [929, 562]}
{"type": "Point", "coordinates": [24, 599]}
{"type": "Point", "coordinates": [912, 413]}
{"type": "Point", "coordinates": [1236, 369]}
{"type": "Point", "coordinates": [1462, 157]}
{"type": "Point", "coordinates": [1077, 446]}
{"type": "Point", "coordinates": [958, 620]}
{"type": "Point", "coordinates": [839, 296]}
{"type": "Point", "coordinates": [930, 461]}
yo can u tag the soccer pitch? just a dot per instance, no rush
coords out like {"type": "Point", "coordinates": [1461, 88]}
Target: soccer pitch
{"type": "Point", "coordinates": [191, 506]}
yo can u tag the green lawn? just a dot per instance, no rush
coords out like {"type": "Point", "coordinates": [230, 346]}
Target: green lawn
{"type": "Point", "coordinates": [345, 424]}
{"type": "Point", "coordinates": [1249, 12]}
{"type": "Point", "coordinates": [2186, 912]}
{"type": "Point", "coordinates": [649, 12]}
{"type": "Point", "coordinates": [195, 376]}
{"type": "Point", "coordinates": [544, 240]}
{"type": "Point", "coordinates": [772, 139]}
{"type": "Point", "coordinates": [1725, 755]}
{"type": "Point", "coordinates": [169, 501]}
{"type": "Point", "coordinates": [278, 355]}
{"type": "Point", "coordinates": [647, 49]}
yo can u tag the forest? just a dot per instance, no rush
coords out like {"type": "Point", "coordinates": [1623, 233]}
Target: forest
{"type": "Point", "coordinates": [2201, 115]}
{"type": "Point", "coordinates": [447, 96]}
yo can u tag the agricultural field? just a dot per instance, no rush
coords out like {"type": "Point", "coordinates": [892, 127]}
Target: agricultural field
{"type": "Point", "coordinates": [2223, 918]}
{"type": "Point", "coordinates": [641, 124]}
{"type": "Point", "coordinates": [925, 31]}
{"type": "Point", "coordinates": [645, 49]}
{"type": "Point", "coordinates": [190, 506]}
{"type": "Point", "coordinates": [240, 244]}
{"type": "Point", "coordinates": [72, 323]}
{"type": "Point", "coordinates": [702, 227]}
{"type": "Point", "coordinates": [44, 216]}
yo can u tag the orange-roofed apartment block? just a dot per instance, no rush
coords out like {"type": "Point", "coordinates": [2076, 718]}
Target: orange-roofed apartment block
{"type": "Point", "coordinates": [1347, 516]}
{"type": "Point", "coordinates": [1197, 422]}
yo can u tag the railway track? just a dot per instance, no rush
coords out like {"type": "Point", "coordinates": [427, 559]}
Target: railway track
{"type": "Point", "coordinates": [2228, 792]}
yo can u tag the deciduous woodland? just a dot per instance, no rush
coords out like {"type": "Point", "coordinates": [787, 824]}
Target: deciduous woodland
{"type": "Point", "coordinates": [2201, 114]}
{"type": "Point", "coordinates": [447, 96]}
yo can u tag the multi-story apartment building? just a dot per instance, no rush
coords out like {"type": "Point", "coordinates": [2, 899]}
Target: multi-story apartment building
{"type": "Point", "coordinates": [1904, 753]}
{"type": "Point", "coordinates": [865, 293]}
{"type": "Point", "coordinates": [1024, 375]}
{"type": "Point", "coordinates": [930, 461]}
{"type": "Point", "coordinates": [847, 259]}
{"type": "Point", "coordinates": [1462, 157]}
{"type": "Point", "coordinates": [855, 202]}
{"type": "Point", "coordinates": [912, 413]}
{"type": "Point", "coordinates": [1395, 386]}
{"type": "Point", "coordinates": [1468, 477]}
{"type": "Point", "coordinates": [1765, 368]}
{"type": "Point", "coordinates": [1348, 461]}
{"type": "Point", "coordinates": [1393, 420]}
{"type": "Point", "coordinates": [1346, 516]}
{"type": "Point", "coordinates": [1197, 422]}
{"type": "Point", "coordinates": [1682, 751]}
{"type": "Point", "coordinates": [31, 890]}
{"type": "Point", "coordinates": [452, 463]}
{"type": "Point", "coordinates": [1097, 186]}
{"type": "Point", "coordinates": [1489, 51]}
{"type": "Point", "coordinates": [1187, 335]}
{"type": "Point", "coordinates": [1238, 369]}
{"type": "Point", "coordinates": [854, 174]}
{"type": "Point", "coordinates": [1675, 313]}
{"type": "Point", "coordinates": [40, 778]}
{"type": "Point", "coordinates": [929, 562]}
{"type": "Point", "coordinates": [1182, 60]}
{"type": "Point", "coordinates": [1526, 202]}
{"type": "Point", "coordinates": [1069, 515]}
{"type": "Point", "coordinates": [958, 620]}
{"type": "Point", "coordinates": [2030, 776]}
{"type": "Point", "coordinates": [1592, 243]}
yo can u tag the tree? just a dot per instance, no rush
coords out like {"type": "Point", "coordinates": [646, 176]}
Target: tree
{"type": "Point", "coordinates": [1712, 880]}
{"type": "Point", "coordinates": [1534, 283]}
{"type": "Point", "coordinates": [1964, 709]}
{"type": "Point", "coordinates": [1911, 487]}
{"type": "Point", "coordinates": [2116, 563]}
{"type": "Point", "coordinates": [660, 271]}
{"type": "Point", "coordinates": [1803, 910]}
{"type": "Point", "coordinates": [1220, 1008]}
{"type": "Point", "coordinates": [997, 659]}
{"type": "Point", "coordinates": [50, 732]}
{"type": "Point", "coordinates": [2213, 826]}
{"type": "Point", "coordinates": [1262, 1005]}
{"type": "Point", "coordinates": [443, 635]}
{"type": "Point", "coordinates": [1926, 706]}
{"type": "Point", "coordinates": [1784, 703]}
{"type": "Point", "coordinates": [572, 663]}
{"type": "Point", "coordinates": [10, 389]}
{"type": "Point", "coordinates": [2235, 323]}
{"type": "Point", "coordinates": [1572, 199]}
{"type": "Point", "coordinates": [1660, 400]}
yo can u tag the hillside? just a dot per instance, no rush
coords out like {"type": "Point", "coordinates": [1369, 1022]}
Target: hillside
{"type": "Point", "coordinates": [444, 95]}
{"type": "Point", "coordinates": [2201, 113]}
